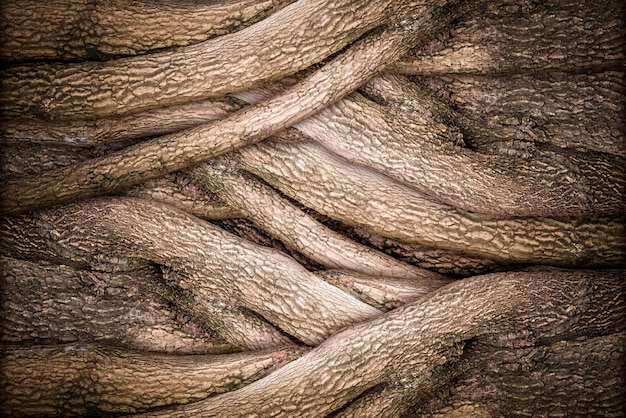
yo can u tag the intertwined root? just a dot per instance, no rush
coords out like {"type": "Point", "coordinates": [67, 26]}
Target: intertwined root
{"type": "Point", "coordinates": [226, 218]}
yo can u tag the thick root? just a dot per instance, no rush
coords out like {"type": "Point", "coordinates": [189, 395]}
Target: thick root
{"type": "Point", "coordinates": [288, 41]}
{"type": "Point", "coordinates": [498, 37]}
{"type": "Point", "coordinates": [53, 304]}
{"type": "Point", "coordinates": [274, 286]}
{"type": "Point", "coordinates": [384, 293]}
{"type": "Point", "coordinates": [299, 231]}
{"type": "Point", "coordinates": [85, 29]}
{"type": "Point", "coordinates": [365, 199]}
{"type": "Point", "coordinates": [78, 379]}
{"type": "Point", "coordinates": [173, 152]}
{"type": "Point", "coordinates": [104, 131]}
{"type": "Point", "coordinates": [409, 348]}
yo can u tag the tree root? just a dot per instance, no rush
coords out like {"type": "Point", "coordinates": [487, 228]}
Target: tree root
{"type": "Point", "coordinates": [78, 379]}
{"type": "Point", "coordinates": [288, 41]}
{"type": "Point", "coordinates": [362, 198]}
{"type": "Point", "coordinates": [416, 149]}
{"type": "Point", "coordinates": [494, 376]}
{"type": "Point", "coordinates": [188, 197]}
{"type": "Point", "coordinates": [82, 29]}
{"type": "Point", "coordinates": [409, 348]}
{"type": "Point", "coordinates": [240, 327]}
{"type": "Point", "coordinates": [414, 139]}
{"type": "Point", "coordinates": [299, 231]}
{"type": "Point", "coordinates": [588, 118]}
{"type": "Point", "coordinates": [179, 150]}
{"type": "Point", "coordinates": [104, 131]}
{"type": "Point", "coordinates": [491, 41]}
{"type": "Point", "coordinates": [384, 293]}
{"type": "Point", "coordinates": [435, 259]}
{"type": "Point", "coordinates": [52, 304]}
{"type": "Point", "coordinates": [273, 285]}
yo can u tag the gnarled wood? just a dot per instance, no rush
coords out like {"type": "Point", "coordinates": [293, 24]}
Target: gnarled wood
{"type": "Point", "coordinates": [298, 230]}
{"type": "Point", "coordinates": [185, 196]}
{"type": "Point", "coordinates": [45, 303]}
{"type": "Point", "coordinates": [533, 109]}
{"type": "Point", "coordinates": [74, 29]}
{"type": "Point", "coordinates": [176, 151]}
{"type": "Point", "coordinates": [365, 199]}
{"type": "Point", "coordinates": [212, 261]}
{"type": "Point", "coordinates": [415, 148]}
{"type": "Point", "coordinates": [415, 140]}
{"type": "Point", "coordinates": [504, 37]}
{"type": "Point", "coordinates": [574, 374]}
{"type": "Point", "coordinates": [434, 170]}
{"type": "Point", "coordinates": [410, 348]}
{"type": "Point", "coordinates": [75, 380]}
{"type": "Point", "coordinates": [435, 259]}
{"type": "Point", "coordinates": [104, 131]}
{"type": "Point", "coordinates": [384, 293]}
{"type": "Point", "coordinates": [288, 41]}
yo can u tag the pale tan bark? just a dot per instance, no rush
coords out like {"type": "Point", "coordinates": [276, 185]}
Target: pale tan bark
{"type": "Point", "coordinates": [502, 381]}
{"type": "Point", "coordinates": [365, 199]}
{"type": "Point", "coordinates": [179, 150]}
{"type": "Point", "coordinates": [105, 131]}
{"type": "Point", "coordinates": [240, 327]}
{"type": "Point", "coordinates": [187, 197]}
{"type": "Point", "coordinates": [414, 139]}
{"type": "Point", "coordinates": [515, 344]}
{"type": "Point", "coordinates": [288, 41]}
{"type": "Point", "coordinates": [384, 293]}
{"type": "Point", "coordinates": [88, 29]}
{"type": "Point", "coordinates": [411, 344]}
{"type": "Point", "coordinates": [299, 231]}
{"type": "Point", "coordinates": [220, 272]}
{"type": "Point", "coordinates": [417, 149]}
{"type": "Point", "coordinates": [443, 261]}
{"type": "Point", "coordinates": [79, 379]}
{"type": "Point", "coordinates": [25, 159]}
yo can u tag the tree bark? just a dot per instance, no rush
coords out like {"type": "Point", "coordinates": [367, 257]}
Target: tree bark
{"type": "Point", "coordinates": [86, 29]}
{"type": "Point", "coordinates": [526, 318]}
{"type": "Point", "coordinates": [312, 208]}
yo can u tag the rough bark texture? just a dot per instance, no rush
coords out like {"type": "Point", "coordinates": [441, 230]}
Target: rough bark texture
{"type": "Point", "coordinates": [508, 37]}
{"type": "Point", "coordinates": [312, 208]}
{"type": "Point", "coordinates": [88, 380]}
{"type": "Point", "coordinates": [88, 29]}
{"type": "Point", "coordinates": [306, 388]}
